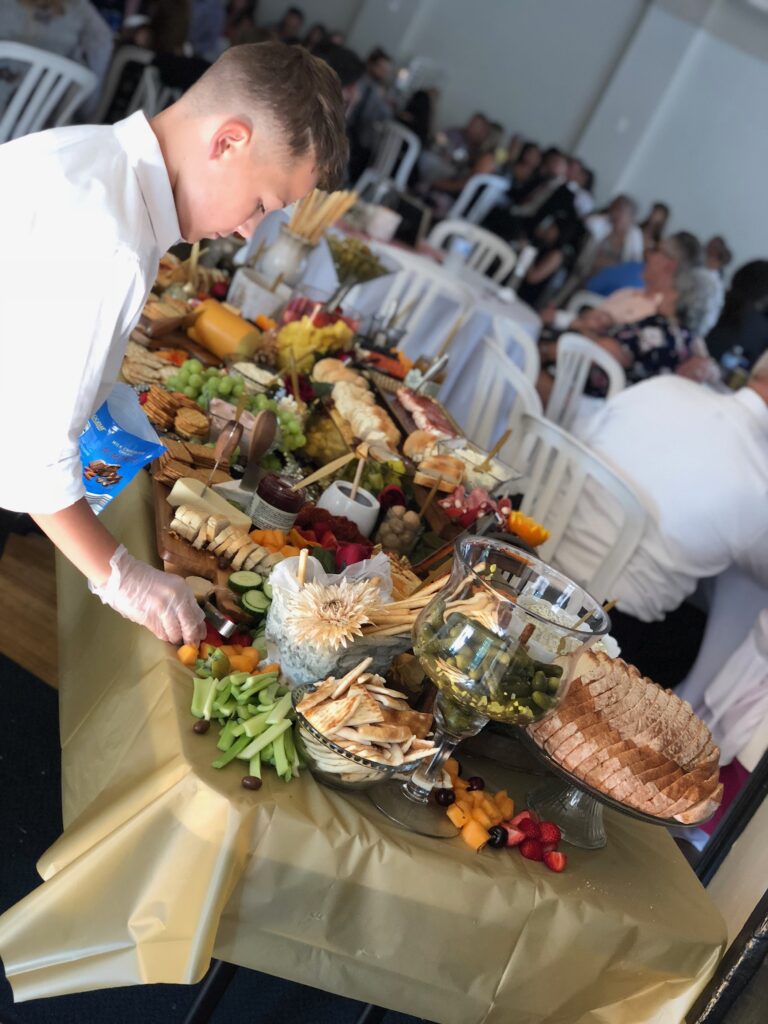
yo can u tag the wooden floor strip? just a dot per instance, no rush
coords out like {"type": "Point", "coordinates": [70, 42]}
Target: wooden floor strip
{"type": "Point", "coordinates": [28, 605]}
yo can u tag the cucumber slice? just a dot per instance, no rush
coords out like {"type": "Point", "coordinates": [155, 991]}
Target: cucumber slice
{"type": "Point", "coordinates": [241, 582]}
{"type": "Point", "coordinates": [255, 601]}
{"type": "Point", "coordinates": [267, 588]}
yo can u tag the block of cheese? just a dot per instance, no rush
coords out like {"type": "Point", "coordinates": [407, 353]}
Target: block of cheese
{"type": "Point", "coordinates": [188, 491]}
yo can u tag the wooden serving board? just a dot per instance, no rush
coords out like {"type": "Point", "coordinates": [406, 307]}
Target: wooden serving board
{"type": "Point", "coordinates": [179, 557]}
{"type": "Point", "coordinates": [177, 339]}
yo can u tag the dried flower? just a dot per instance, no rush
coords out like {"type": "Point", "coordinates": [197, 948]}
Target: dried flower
{"type": "Point", "coordinates": [332, 615]}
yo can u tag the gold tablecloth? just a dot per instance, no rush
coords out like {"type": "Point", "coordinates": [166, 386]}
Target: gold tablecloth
{"type": "Point", "coordinates": [165, 862]}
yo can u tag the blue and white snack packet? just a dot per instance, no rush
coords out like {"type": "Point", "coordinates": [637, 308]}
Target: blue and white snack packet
{"type": "Point", "coordinates": [117, 442]}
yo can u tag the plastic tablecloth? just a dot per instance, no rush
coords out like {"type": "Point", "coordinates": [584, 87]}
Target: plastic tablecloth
{"type": "Point", "coordinates": [165, 862]}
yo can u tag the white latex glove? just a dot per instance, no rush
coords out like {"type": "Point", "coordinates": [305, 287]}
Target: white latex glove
{"type": "Point", "coordinates": [158, 600]}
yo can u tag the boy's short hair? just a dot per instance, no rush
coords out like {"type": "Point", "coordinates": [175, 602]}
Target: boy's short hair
{"type": "Point", "coordinates": [300, 95]}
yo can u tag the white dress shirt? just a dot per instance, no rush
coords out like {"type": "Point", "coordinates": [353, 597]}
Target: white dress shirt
{"type": "Point", "coordinates": [699, 461]}
{"type": "Point", "coordinates": [86, 214]}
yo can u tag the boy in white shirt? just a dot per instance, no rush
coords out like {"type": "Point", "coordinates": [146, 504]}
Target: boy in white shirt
{"type": "Point", "coordinates": [87, 212]}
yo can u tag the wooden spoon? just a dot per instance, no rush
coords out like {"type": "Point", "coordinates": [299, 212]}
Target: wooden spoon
{"type": "Point", "coordinates": [262, 436]}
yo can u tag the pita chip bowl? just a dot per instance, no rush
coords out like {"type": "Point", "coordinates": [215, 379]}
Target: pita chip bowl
{"type": "Point", "coordinates": [354, 731]}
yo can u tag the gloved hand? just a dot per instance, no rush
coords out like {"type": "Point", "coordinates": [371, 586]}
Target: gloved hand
{"type": "Point", "coordinates": [160, 601]}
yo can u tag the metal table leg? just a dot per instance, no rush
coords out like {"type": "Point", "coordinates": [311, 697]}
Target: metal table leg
{"type": "Point", "coordinates": [215, 985]}
{"type": "Point", "coordinates": [371, 1015]}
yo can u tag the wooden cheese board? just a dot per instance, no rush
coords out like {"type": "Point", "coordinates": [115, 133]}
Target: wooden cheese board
{"type": "Point", "coordinates": [179, 557]}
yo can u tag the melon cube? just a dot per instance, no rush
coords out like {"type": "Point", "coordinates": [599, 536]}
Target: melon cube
{"type": "Point", "coordinates": [458, 815]}
{"type": "Point", "coordinates": [474, 835]}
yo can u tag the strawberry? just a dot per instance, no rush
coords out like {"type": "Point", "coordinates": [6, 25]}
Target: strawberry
{"type": "Point", "coordinates": [531, 849]}
{"type": "Point", "coordinates": [548, 847]}
{"type": "Point", "coordinates": [521, 817]}
{"type": "Point", "coordinates": [514, 835]}
{"type": "Point", "coordinates": [555, 861]}
{"type": "Point", "coordinates": [530, 828]}
{"type": "Point", "coordinates": [550, 833]}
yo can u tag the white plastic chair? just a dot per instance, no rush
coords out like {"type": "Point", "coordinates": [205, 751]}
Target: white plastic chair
{"type": "Point", "coordinates": [498, 377]}
{"type": "Point", "coordinates": [575, 357]}
{"type": "Point", "coordinates": [123, 57]}
{"type": "Point", "coordinates": [151, 94]}
{"type": "Point", "coordinates": [478, 197]}
{"type": "Point", "coordinates": [510, 334]}
{"type": "Point", "coordinates": [487, 248]}
{"type": "Point", "coordinates": [391, 168]}
{"type": "Point", "coordinates": [49, 90]}
{"type": "Point", "coordinates": [558, 469]}
{"type": "Point", "coordinates": [583, 298]}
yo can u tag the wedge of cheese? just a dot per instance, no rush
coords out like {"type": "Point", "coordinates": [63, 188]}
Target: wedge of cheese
{"type": "Point", "coordinates": [188, 491]}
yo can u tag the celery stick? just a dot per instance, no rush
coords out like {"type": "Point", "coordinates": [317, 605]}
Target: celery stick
{"type": "Point", "coordinates": [228, 708]}
{"type": "Point", "coordinates": [224, 683]}
{"type": "Point", "coordinates": [208, 706]}
{"type": "Point", "coordinates": [278, 750]}
{"type": "Point", "coordinates": [280, 710]}
{"type": "Point", "coordinates": [232, 753]}
{"type": "Point", "coordinates": [226, 737]}
{"type": "Point", "coordinates": [267, 755]}
{"type": "Point", "coordinates": [268, 696]}
{"type": "Point", "coordinates": [252, 709]}
{"type": "Point", "coordinates": [257, 745]}
{"type": "Point", "coordinates": [239, 729]}
{"type": "Point", "coordinates": [223, 692]}
{"type": "Point", "coordinates": [264, 682]}
{"type": "Point", "coordinates": [256, 726]}
{"type": "Point", "coordinates": [290, 754]}
{"type": "Point", "coordinates": [254, 768]}
{"type": "Point", "coordinates": [238, 678]}
{"type": "Point", "coordinates": [199, 694]}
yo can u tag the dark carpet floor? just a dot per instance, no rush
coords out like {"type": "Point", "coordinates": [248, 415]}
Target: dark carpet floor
{"type": "Point", "coordinates": [30, 820]}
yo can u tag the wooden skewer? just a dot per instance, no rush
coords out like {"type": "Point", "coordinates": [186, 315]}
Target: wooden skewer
{"type": "Point", "coordinates": [253, 261]}
{"type": "Point", "coordinates": [324, 471]}
{"type": "Point", "coordinates": [356, 481]}
{"type": "Point", "coordinates": [402, 314]}
{"type": "Point", "coordinates": [301, 575]}
{"type": "Point", "coordinates": [452, 334]}
{"type": "Point", "coordinates": [430, 497]}
{"type": "Point", "coordinates": [486, 463]}
{"type": "Point", "coordinates": [277, 282]}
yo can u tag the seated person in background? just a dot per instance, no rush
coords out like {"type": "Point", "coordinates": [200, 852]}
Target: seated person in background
{"type": "Point", "coordinates": [699, 462]}
{"type": "Point", "coordinates": [581, 181]}
{"type": "Point", "coordinates": [557, 242]}
{"type": "Point", "coordinates": [705, 291]}
{"type": "Point", "coordinates": [523, 170]}
{"type": "Point", "coordinates": [653, 338]}
{"type": "Point", "coordinates": [654, 224]}
{"type": "Point", "coordinates": [545, 195]}
{"type": "Point", "coordinates": [206, 29]}
{"type": "Point", "coordinates": [614, 237]}
{"type": "Point", "coordinates": [667, 267]}
{"type": "Point", "coordinates": [743, 322]}
{"type": "Point", "coordinates": [240, 24]}
{"type": "Point", "coordinates": [316, 36]}
{"type": "Point", "coordinates": [465, 145]}
{"type": "Point", "coordinates": [479, 159]}
{"type": "Point", "coordinates": [289, 28]}
{"type": "Point", "coordinates": [370, 113]}
{"type": "Point", "coordinates": [418, 114]}
{"type": "Point", "coordinates": [347, 66]}
{"type": "Point", "coordinates": [70, 28]}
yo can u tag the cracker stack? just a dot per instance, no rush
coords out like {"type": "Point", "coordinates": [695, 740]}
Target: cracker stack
{"type": "Point", "coordinates": [634, 741]}
{"type": "Point", "coordinates": [171, 410]}
{"type": "Point", "coordinates": [361, 714]}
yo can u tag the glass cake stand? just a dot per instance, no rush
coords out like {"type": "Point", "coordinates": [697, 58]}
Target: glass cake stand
{"type": "Point", "coordinates": [577, 808]}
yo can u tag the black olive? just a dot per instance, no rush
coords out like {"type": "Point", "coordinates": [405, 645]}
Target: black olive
{"type": "Point", "coordinates": [201, 726]}
{"type": "Point", "coordinates": [444, 797]}
{"type": "Point", "coordinates": [475, 782]}
{"type": "Point", "coordinates": [250, 782]}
